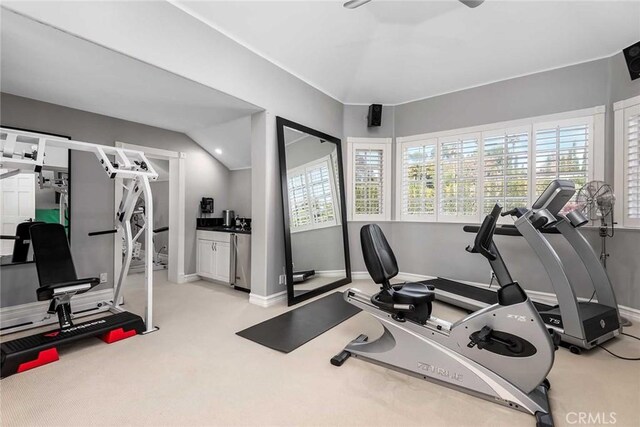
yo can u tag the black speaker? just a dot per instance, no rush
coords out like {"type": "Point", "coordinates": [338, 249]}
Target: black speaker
{"type": "Point", "coordinates": [375, 115]}
{"type": "Point", "coordinates": [632, 56]}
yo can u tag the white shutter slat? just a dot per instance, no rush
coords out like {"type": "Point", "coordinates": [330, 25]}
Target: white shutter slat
{"type": "Point", "coordinates": [632, 168]}
{"type": "Point", "coordinates": [561, 152]}
{"type": "Point", "coordinates": [369, 181]}
{"type": "Point", "coordinates": [419, 180]}
{"type": "Point", "coordinates": [506, 166]}
{"type": "Point", "coordinates": [458, 177]}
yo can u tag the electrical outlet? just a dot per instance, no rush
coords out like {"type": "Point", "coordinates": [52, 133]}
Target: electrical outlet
{"type": "Point", "coordinates": [283, 279]}
{"type": "Point", "coordinates": [104, 277]}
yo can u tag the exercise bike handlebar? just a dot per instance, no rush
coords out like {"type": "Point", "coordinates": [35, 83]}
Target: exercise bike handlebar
{"type": "Point", "coordinates": [482, 242]}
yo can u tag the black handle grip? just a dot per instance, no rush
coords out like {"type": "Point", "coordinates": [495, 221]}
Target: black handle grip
{"type": "Point", "coordinates": [8, 237]}
{"type": "Point", "coordinates": [510, 212]}
{"type": "Point", "coordinates": [98, 233]}
{"type": "Point", "coordinates": [161, 229]}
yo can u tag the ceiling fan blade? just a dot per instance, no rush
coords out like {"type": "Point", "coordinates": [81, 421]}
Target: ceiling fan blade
{"type": "Point", "coordinates": [471, 3]}
{"type": "Point", "coordinates": [352, 4]}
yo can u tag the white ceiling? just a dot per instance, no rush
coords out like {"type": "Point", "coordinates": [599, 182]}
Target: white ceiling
{"type": "Point", "coordinates": [43, 63]}
{"type": "Point", "coordinates": [393, 52]}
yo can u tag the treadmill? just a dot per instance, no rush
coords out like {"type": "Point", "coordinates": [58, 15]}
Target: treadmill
{"type": "Point", "coordinates": [581, 325]}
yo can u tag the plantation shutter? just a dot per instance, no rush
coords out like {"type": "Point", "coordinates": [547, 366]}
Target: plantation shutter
{"type": "Point", "coordinates": [369, 181]}
{"type": "Point", "coordinates": [321, 196]}
{"type": "Point", "coordinates": [506, 169]}
{"type": "Point", "coordinates": [561, 152]}
{"type": "Point", "coordinates": [632, 165]}
{"type": "Point", "coordinates": [300, 215]}
{"type": "Point", "coordinates": [458, 177]}
{"type": "Point", "coordinates": [419, 180]}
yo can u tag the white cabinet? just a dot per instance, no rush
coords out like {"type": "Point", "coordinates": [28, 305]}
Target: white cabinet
{"type": "Point", "coordinates": [205, 258]}
{"type": "Point", "coordinates": [222, 259]}
{"type": "Point", "coordinates": [213, 255]}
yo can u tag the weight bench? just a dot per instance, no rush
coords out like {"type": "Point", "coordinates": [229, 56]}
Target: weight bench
{"type": "Point", "coordinates": [59, 283]}
{"type": "Point", "coordinates": [56, 272]}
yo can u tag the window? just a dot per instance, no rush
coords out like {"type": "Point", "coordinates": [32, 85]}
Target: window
{"type": "Point", "coordinates": [419, 181]}
{"type": "Point", "coordinates": [627, 162]}
{"type": "Point", "coordinates": [369, 165]}
{"type": "Point", "coordinates": [459, 175]}
{"type": "Point", "coordinates": [506, 168]}
{"type": "Point", "coordinates": [312, 196]}
{"type": "Point", "coordinates": [561, 152]}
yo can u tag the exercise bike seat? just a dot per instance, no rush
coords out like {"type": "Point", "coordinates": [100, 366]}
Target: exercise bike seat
{"type": "Point", "coordinates": [413, 293]}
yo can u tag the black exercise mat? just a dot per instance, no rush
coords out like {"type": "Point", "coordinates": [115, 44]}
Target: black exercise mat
{"type": "Point", "coordinates": [290, 330]}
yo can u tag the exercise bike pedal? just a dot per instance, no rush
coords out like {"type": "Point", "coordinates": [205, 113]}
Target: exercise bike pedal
{"type": "Point", "coordinates": [342, 357]}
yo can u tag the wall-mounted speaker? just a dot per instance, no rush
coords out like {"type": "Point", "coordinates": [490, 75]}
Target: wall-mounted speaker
{"type": "Point", "coordinates": [375, 115]}
{"type": "Point", "coordinates": [632, 56]}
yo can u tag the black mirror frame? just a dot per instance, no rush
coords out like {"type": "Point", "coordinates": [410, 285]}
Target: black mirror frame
{"type": "Point", "coordinates": [69, 190]}
{"type": "Point", "coordinates": [292, 299]}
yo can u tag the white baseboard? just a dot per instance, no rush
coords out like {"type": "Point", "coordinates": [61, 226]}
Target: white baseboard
{"type": "Point", "coordinates": [331, 273]}
{"type": "Point", "coordinates": [268, 301]}
{"type": "Point", "coordinates": [187, 278]}
{"type": "Point", "coordinates": [36, 312]}
{"type": "Point", "coordinates": [543, 297]}
{"type": "Point", "coordinates": [360, 275]}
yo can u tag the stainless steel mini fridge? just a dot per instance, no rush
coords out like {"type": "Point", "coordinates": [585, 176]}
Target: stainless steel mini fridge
{"type": "Point", "coordinates": [240, 267]}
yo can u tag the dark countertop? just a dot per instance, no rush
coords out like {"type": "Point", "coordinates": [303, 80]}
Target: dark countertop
{"type": "Point", "coordinates": [225, 229]}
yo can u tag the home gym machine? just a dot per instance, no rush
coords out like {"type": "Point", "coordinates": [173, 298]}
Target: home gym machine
{"type": "Point", "coordinates": [24, 152]}
{"type": "Point", "coordinates": [501, 353]}
{"type": "Point", "coordinates": [581, 324]}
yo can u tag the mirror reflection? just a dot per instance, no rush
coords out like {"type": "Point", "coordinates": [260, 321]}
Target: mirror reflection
{"type": "Point", "coordinates": [314, 210]}
{"type": "Point", "coordinates": [28, 198]}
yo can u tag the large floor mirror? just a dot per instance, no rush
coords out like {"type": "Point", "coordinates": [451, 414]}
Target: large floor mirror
{"type": "Point", "coordinates": [27, 199]}
{"type": "Point", "coordinates": [315, 226]}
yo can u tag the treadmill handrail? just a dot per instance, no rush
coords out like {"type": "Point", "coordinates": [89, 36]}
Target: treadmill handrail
{"type": "Point", "coordinates": [507, 230]}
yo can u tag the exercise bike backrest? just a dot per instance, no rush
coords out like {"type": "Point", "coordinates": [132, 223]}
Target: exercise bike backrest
{"type": "Point", "coordinates": [378, 255]}
{"type": "Point", "coordinates": [484, 239]}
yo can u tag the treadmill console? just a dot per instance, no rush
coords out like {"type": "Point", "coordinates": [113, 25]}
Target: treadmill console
{"type": "Point", "coordinates": [555, 196]}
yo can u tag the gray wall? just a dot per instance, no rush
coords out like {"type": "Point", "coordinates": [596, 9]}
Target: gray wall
{"type": "Point", "coordinates": [438, 249]}
{"type": "Point", "coordinates": [196, 55]}
{"type": "Point", "coordinates": [306, 151]}
{"type": "Point", "coordinates": [240, 192]}
{"type": "Point", "coordinates": [92, 192]}
{"type": "Point", "coordinates": [355, 122]}
{"type": "Point", "coordinates": [320, 250]}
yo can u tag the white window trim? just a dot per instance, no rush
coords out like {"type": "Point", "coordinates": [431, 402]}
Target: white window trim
{"type": "Point", "coordinates": [335, 196]}
{"type": "Point", "coordinates": [594, 117]}
{"type": "Point", "coordinates": [387, 195]}
{"type": "Point", "coordinates": [621, 109]}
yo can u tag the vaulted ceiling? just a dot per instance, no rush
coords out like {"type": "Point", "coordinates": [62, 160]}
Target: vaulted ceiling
{"type": "Point", "coordinates": [49, 65]}
{"type": "Point", "coordinates": [392, 52]}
